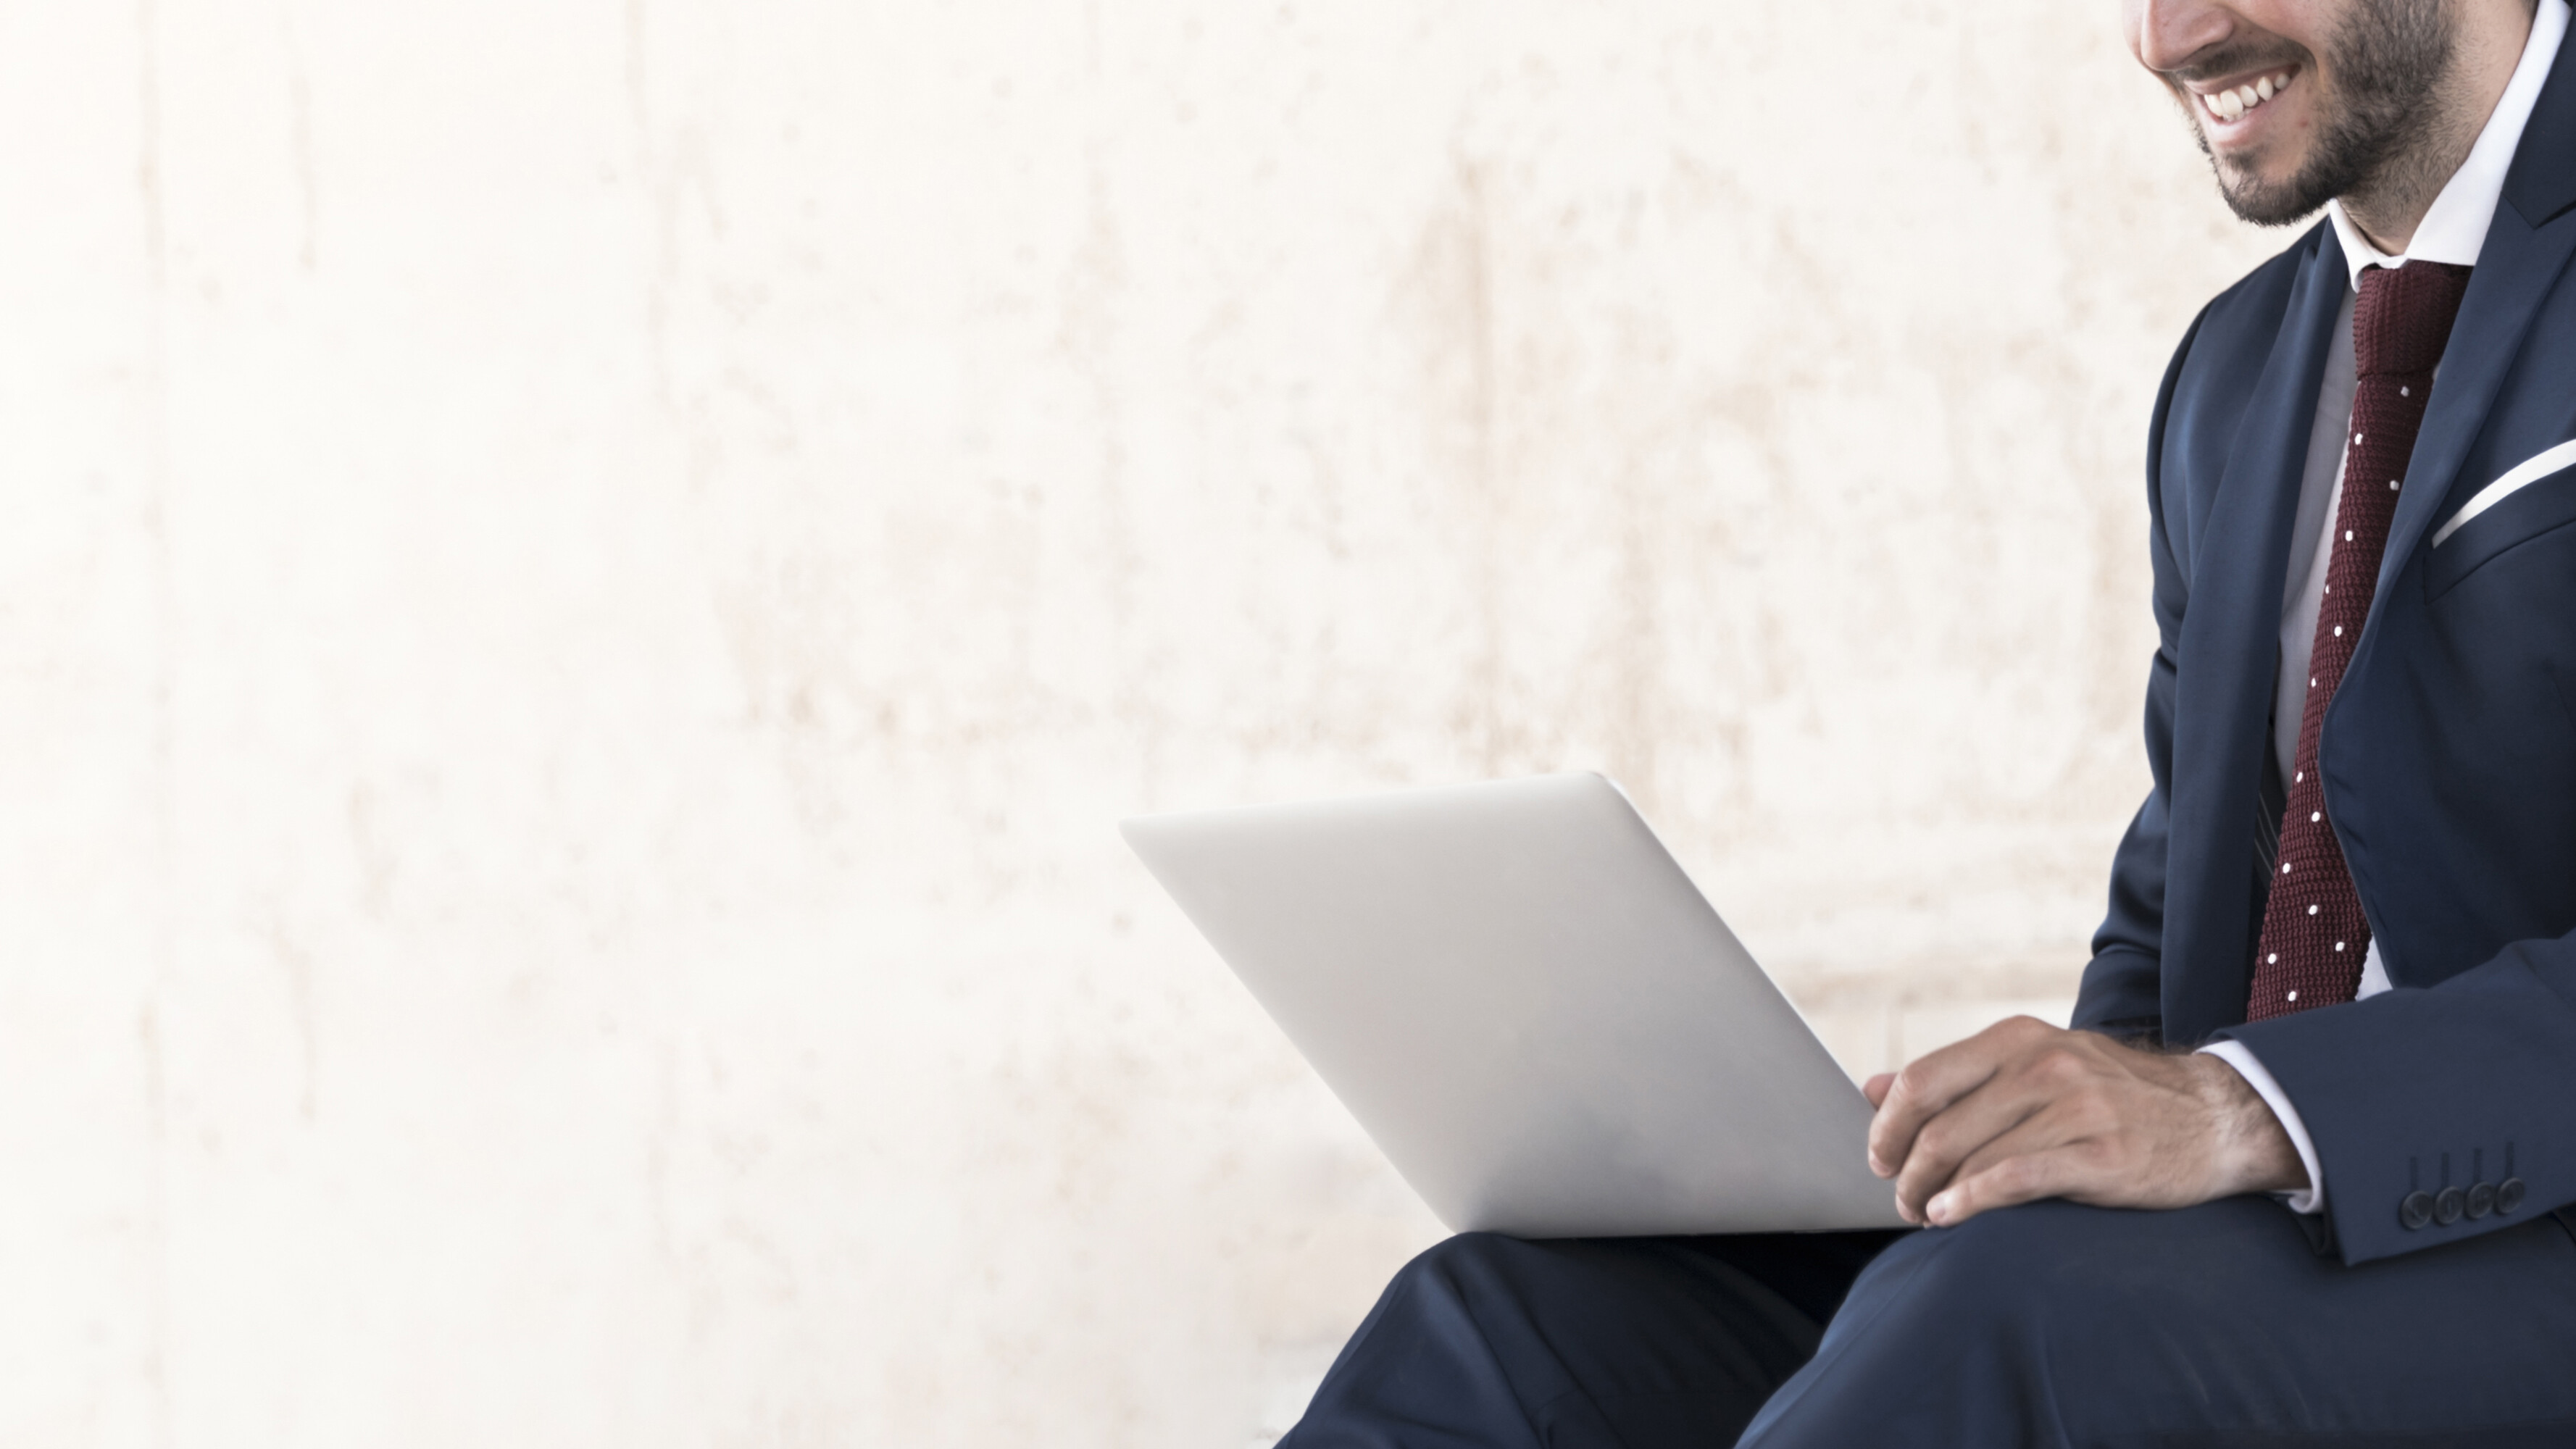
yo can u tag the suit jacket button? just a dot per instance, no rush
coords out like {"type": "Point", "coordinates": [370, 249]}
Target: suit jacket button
{"type": "Point", "coordinates": [2416, 1210]}
{"type": "Point", "coordinates": [2448, 1207]}
{"type": "Point", "coordinates": [2509, 1194]}
{"type": "Point", "coordinates": [2482, 1199]}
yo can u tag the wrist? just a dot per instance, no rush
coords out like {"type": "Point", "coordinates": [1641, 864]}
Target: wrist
{"type": "Point", "coordinates": [2254, 1152]}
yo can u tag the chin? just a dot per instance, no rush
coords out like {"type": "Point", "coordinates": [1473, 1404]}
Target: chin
{"type": "Point", "coordinates": [2263, 195]}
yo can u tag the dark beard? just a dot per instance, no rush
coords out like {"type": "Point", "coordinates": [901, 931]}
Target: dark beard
{"type": "Point", "coordinates": [2390, 57]}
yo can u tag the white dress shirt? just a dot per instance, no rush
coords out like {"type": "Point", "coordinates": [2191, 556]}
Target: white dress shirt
{"type": "Point", "coordinates": [2453, 231]}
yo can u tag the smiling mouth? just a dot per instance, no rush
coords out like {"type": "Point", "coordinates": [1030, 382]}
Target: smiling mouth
{"type": "Point", "coordinates": [2235, 102]}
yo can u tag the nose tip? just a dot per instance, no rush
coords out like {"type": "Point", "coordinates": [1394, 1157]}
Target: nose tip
{"type": "Point", "coordinates": [2168, 33]}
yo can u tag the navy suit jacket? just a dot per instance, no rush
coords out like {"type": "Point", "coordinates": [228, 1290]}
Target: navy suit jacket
{"type": "Point", "coordinates": [2448, 754]}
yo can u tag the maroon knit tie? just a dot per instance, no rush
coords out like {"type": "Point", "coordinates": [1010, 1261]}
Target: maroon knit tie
{"type": "Point", "coordinates": [2314, 934]}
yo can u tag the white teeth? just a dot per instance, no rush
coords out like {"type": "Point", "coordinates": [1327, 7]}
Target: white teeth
{"type": "Point", "coordinates": [2229, 105]}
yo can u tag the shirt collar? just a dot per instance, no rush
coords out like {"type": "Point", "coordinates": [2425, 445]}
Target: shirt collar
{"type": "Point", "coordinates": [2455, 228]}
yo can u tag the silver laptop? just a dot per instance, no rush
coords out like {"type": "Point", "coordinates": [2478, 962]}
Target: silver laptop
{"type": "Point", "coordinates": [1529, 1006]}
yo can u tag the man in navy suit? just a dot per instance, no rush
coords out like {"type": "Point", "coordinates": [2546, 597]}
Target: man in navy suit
{"type": "Point", "coordinates": [2295, 1176]}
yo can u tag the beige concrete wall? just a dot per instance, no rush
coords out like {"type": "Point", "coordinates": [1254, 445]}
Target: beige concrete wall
{"type": "Point", "coordinates": [582, 582]}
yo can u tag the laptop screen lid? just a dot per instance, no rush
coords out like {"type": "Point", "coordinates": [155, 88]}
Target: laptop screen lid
{"type": "Point", "coordinates": [1529, 1007]}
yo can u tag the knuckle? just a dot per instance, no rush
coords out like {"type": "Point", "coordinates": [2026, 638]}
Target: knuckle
{"type": "Point", "coordinates": [2023, 1032]}
{"type": "Point", "coordinates": [2063, 1073]}
{"type": "Point", "coordinates": [1908, 1088]}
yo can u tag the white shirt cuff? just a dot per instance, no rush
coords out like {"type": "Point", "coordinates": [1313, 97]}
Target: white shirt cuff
{"type": "Point", "coordinates": [2236, 1054]}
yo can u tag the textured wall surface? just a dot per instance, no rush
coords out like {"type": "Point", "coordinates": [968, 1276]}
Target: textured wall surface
{"type": "Point", "coordinates": [582, 583]}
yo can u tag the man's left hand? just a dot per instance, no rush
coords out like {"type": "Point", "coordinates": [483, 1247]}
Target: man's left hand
{"type": "Point", "coordinates": [2024, 1110]}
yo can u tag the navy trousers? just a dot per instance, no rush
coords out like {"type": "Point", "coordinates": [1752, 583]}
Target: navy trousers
{"type": "Point", "coordinates": [2049, 1324]}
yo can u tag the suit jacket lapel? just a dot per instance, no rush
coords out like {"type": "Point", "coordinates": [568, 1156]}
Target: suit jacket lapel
{"type": "Point", "coordinates": [2521, 260]}
{"type": "Point", "coordinates": [2230, 652]}
{"type": "Point", "coordinates": [2516, 268]}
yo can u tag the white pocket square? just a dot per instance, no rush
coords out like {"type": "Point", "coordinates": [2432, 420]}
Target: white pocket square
{"type": "Point", "coordinates": [2517, 477]}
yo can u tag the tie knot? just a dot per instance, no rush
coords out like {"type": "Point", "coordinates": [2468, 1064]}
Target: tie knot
{"type": "Point", "coordinates": [2403, 319]}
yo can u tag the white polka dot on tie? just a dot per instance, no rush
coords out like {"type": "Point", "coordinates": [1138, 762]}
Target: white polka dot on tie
{"type": "Point", "coordinates": [2392, 485]}
{"type": "Point", "coordinates": [2347, 535]}
{"type": "Point", "coordinates": [2272, 960]}
{"type": "Point", "coordinates": [2315, 815]}
{"type": "Point", "coordinates": [2338, 945]}
{"type": "Point", "coordinates": [2338, 631]}
{"type": "Point", "coordinates": [2401, 392]}
{"type": "Point", "coordinates": [2312, 910]}
{"type": "Point", "coordinates": [2285, 867]}
{"type": "Point", "coordinates": [2301, 778]}
{"type": "Point", "coordinates": [2356, 440]}
{"type": "Point", "coordinates": [2293, 996]}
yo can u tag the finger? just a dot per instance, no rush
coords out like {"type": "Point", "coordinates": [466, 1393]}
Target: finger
{"type": "Point", "coordinates": [1926, 1087]}
{"type": "Point", "coordinates": [2059, 1126]}
{"type": "Point", "coordinates": [1875, 1089]}
{"type": "Point", "coordinates": [2063, 1171]}
{"type": "Point", "coordinates": [2001, 1106]}
{"type": "Point", "coordinates": [1930, 1083]}
{"type": "Point", "coordinates": [2042, 1089]}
